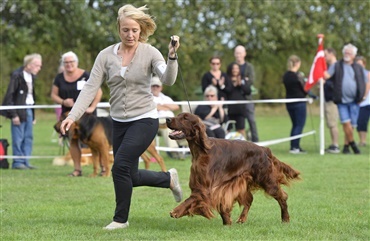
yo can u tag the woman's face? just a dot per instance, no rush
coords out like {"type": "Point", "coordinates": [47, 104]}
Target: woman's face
{"type": "Point", "coordinates": [129, 32]}
{"type": "Point", "coordinates": [211, 96]}
{"type": "Point", "coordinates": [69, 64]}
{"type": "Point", "coordinates": [298, 64]}
{"type": "Point", "coordinates": [235, 70]}
{"type": "Point", "coordinates": [215, 64]}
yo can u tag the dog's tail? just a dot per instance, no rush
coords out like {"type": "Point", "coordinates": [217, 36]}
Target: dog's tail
{"type": "Point", "coordinates": [287, 173]}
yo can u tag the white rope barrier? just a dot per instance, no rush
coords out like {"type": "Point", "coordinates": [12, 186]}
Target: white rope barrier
{"type": "Point", "coordinates": [180, 149]}
{"type": "Point", "coordinates": [225, 102]}
{"type": "Point", "coordinates": [182, 103]}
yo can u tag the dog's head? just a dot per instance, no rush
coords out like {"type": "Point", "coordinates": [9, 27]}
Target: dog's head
{"type": "Point", "coordinates": [73, 130]}
{"type": "Point", "coordinates": [190, 127]}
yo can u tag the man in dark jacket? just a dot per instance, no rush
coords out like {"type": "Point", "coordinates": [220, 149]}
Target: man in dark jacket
{"type": "Point", "coordinates": [21, 91]}
{"type": "Point", "coordinates": [348, 91]}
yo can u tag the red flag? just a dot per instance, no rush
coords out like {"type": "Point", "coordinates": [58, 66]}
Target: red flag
{"type": "Point", "coordinates": [318, 66]}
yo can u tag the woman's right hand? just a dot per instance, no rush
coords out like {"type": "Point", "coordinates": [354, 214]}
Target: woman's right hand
{"type": "Point", "coordinates": [66, 124]}
{"type": "Point", "coordinates": [173, 49]}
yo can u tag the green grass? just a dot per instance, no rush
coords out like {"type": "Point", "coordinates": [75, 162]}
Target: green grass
{"type": "Point", "coordinates": [330, 203]}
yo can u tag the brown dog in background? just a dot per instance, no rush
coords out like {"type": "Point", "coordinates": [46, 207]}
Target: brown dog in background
{"type": "Point", "coordinates": [96, 132]}
{"type": "Point", "coordinates": [224, 172]}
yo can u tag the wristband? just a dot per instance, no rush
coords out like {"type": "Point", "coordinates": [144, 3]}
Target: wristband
{"type": "Point", "coordinates": [172, 58]}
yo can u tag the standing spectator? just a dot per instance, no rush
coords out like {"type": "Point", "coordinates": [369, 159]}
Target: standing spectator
{"type": "Point", "coordinates": [349, 90]}
{"type": "Point", "coordinates": [217, 78]}
{"type": "Point", "coordinates": [127, 67]}
{"type": "Point", "coordinates": [330, 108]}
{"type": "Point", "coordinates": [247, 74]}
{"type": "Point", "coordinates": [21, 91]}
{"type": "Point", "coordinates": [294, 86]}
{"type": "Point", "coordinates": [165, 108]}
{"type": "Point", "coordinates": [364, 115]}
{"type": "Point", "coordinates": [212, 115]}
{"type": "Point", "coordinates": [65, 90]}
{"type": "Point", "coordinates": [240, 89]}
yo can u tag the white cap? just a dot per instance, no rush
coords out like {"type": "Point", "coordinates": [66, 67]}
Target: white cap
{"type": "Point", "coordinates": [156, 81]}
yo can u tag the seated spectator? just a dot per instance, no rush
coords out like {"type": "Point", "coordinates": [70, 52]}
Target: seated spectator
{"type": "Point", "coordinates": [165, 109]}
{"type": "Point", "coordinates": [212, 115]}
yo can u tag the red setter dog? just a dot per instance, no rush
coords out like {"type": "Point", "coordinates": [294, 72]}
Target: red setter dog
{"type": "Point", "coordinates": [227, 171]}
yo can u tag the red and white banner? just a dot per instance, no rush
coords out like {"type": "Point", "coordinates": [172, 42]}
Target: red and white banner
{"type": "Point", "coordinates": [318, 66]}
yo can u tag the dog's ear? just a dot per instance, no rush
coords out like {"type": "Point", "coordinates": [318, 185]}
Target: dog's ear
{"type": "Point", "coordinates": [57, 126]}
{"type": "Point", "coordinates": [201, 137]}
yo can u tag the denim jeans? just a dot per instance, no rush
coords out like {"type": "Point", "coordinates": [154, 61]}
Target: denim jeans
{"type": "Point", "coordinates": [22, 139]}
{"type": "Point", "coordinates": [297, 113]}
{"type": "Point", "coordinates": [130, 140]}
{"type": "Point", "coordinates": [349, 112]}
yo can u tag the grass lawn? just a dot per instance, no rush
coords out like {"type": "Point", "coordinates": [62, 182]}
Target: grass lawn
{"type": "Point", "coordinates": [330, 203]}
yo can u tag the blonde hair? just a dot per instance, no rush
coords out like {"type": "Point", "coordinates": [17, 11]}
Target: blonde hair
{"type": "Point", "coordinates": [29, 58]}
{"type": "Point", "coordinates": [146, 22]}
{"type": "Point", "coordinates": [293, 61]}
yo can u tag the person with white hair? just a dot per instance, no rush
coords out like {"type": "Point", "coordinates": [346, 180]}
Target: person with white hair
{"type": "Point", "coordinates": [65, 90]}
{"type": "Point", "coordinates": [213, 116]}
{"type": "Point", "coordinates": [21, 91]}
{"type": "Point", "coordinates": [348, 91]}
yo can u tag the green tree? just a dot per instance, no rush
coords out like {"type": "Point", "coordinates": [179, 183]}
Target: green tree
{"type": "Point", "coordinates": [270, 30]}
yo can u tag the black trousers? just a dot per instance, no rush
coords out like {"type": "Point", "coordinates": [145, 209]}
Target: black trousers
{"type": "Point", "coordinates": [130, 140]}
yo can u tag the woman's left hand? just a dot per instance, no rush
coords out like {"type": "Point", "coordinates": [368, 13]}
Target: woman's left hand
{"type": "Point", "coordinates": [173, 49]}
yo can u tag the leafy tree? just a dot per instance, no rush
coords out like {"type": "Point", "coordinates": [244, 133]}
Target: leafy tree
{"type": "Point", "coordinates": [270, 30]}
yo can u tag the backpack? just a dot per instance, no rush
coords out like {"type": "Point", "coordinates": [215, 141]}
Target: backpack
{"type": "Point", "coordinates": [4, 164]}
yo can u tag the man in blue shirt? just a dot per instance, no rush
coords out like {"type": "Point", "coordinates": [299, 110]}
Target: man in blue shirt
{"type": "Point", "coordinates": [348, 91]}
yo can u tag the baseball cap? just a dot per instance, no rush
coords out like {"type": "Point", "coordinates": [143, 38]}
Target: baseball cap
{"type": "Point", "coordinates": [156, 81]}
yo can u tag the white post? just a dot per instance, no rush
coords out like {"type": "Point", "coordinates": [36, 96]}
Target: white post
{"type": "Point", "coordinates": [322, 134]}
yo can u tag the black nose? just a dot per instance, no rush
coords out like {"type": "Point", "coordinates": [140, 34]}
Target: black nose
{"type": "Point", "coordinates": [168, 120]}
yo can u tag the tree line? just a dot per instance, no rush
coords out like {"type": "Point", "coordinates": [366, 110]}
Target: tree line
{"type": "Point", "coordinates": [270, 30]}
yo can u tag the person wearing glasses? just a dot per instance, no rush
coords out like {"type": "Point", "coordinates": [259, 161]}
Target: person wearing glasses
{"type": "Point", "coordinates": [216, 78]}
{"type": "Point", "coordinates": [212, 115]}
{"type": "Point", "coordinates": [349, 85]}
{"type": "Point", "coordinates": [65, 90]}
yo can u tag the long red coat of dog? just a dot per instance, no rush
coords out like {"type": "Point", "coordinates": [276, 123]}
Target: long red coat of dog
{"type": "Point", "coordinates": [224, 172]}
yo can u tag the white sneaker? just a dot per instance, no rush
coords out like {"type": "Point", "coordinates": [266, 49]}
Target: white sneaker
{"type": "Point", "coordinates": [176, 188]}
{"type": "Point", "coordinates": [297, 151]}
{"type": "Point", "coordinates": [114, 225]}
